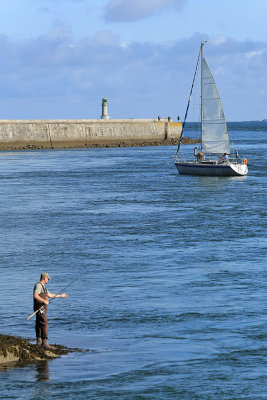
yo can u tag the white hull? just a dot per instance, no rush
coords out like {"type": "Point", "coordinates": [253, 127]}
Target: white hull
{"type": "Point", "coordinates": [211, 169]}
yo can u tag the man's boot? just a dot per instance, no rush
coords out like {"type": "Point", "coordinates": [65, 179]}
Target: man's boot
{"type": "Point", "coordinates": [39, 341]}
{"type": "Point", "coordinates": [48, 346]}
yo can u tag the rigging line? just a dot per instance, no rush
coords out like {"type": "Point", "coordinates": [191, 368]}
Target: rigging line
{"type": "Point", "coordinates": [35, 312]}
{"type": "Point", "coordinates": [187, 108]}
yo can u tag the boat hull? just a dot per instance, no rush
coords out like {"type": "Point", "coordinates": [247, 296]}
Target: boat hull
{"type": "Point", "coordinates": [199, 169]}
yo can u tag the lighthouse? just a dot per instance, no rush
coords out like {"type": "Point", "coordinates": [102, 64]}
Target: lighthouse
{"type": "Point", "coordinates": [104, 108]}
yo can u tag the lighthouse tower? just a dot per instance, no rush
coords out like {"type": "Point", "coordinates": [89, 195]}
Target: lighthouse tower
{"type": "Point", "coordinates": [104, 108]}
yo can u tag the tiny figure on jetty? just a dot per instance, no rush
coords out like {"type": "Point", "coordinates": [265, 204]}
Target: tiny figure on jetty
{"type": "Point", "coordinates": [40, 301]}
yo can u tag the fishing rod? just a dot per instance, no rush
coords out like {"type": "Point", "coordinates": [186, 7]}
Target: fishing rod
{"type": "Point", "coordinates": [35, 312]}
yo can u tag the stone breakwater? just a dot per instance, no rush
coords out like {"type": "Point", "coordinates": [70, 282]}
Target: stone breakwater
{"type": "Point", "coordinates": [53, 134]}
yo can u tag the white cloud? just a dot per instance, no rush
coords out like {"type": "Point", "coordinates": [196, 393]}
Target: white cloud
{"type": "Point", "coordinates": [132, 10]}
{"type": "Point", "coordinates": [219, 40]}
{"type": "Point", "coordinates": [251, 54]}
{"type": "Point", "coordinates": [124, 45]}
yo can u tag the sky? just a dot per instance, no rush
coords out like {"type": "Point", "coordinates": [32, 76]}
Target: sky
{"type": "Point", "coordinates": [59, 58]}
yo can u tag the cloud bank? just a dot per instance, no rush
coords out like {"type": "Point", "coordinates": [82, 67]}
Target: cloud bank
{"type": "Point", "coordinates": [54, 76]}
{"type": "Point", "coordinates": [132, 10]}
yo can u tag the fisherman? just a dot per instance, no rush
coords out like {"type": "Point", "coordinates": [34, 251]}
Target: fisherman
{"type": "Point", "coordinates": [40, 300]}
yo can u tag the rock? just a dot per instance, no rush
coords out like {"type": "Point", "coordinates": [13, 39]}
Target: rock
{"type": "Point", "coordinates": [19, 350]}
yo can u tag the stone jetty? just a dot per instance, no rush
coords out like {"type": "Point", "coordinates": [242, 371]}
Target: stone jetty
{"type": "Point", "coordinates": [54, 134]}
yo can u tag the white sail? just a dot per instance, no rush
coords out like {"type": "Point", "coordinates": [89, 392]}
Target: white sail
{"type": "Point", "coordinates": [215, 138]}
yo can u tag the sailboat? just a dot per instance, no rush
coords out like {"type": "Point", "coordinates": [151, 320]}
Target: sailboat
{"type": "Point", "coordinates": [214, 157]}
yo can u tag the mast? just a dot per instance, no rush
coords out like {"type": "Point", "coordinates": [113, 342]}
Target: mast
{"type": "Point", "coordinates": [202, 80]}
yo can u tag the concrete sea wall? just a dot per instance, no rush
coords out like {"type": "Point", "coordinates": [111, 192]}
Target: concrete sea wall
{"type": "Point", "coordinates": [23, 134]}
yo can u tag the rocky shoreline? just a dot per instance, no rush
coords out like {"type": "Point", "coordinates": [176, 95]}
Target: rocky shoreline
{"type": "Point", "coordinates": [20, 351]}
{"type": "Point", "coordinates": [72, 145]}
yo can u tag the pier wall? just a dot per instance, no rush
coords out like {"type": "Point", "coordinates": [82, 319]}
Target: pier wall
{"type": "Point", "coordinates": [23, 134]}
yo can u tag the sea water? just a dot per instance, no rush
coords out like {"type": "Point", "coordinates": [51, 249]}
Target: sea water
{"type": "Point", "coordinates": [171, 295]}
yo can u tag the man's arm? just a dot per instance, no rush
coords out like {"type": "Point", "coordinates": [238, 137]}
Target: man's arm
{"type": "Point", "coordinates": [63, 295]}
{"type": "Point", "coordinates": [37, 297]}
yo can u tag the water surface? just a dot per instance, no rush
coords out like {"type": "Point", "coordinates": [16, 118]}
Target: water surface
{"type": "Point", "coordinates": [172, 297]}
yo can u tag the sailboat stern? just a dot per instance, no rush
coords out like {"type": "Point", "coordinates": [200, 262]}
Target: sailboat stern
{"type": "Point", "coordinates": [239, 169]}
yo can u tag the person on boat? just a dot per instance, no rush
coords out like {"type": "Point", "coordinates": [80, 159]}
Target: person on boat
{"type": "Point", "coordinates": [225, 157]}
{"type": "Point", "coordinates": [236, 154]}
{"type": "Point", "coordinates": [200, 156]}
{"type": "Point", "coordinates": [195, 151]}
{"type": "Point", "coordinates": [40, 302]}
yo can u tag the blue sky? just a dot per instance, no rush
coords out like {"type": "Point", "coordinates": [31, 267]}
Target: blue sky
{"type": "Point", "coordinates": [60, 57]}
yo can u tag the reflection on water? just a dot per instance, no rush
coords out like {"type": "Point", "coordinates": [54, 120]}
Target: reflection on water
{"type": "Point", "coordinates": [10, 365]}
{"type": "Point", "coordinates": [42, 371]}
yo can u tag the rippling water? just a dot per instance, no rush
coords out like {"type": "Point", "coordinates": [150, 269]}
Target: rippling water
{"type": "Point", "coordinates": [172, 297]}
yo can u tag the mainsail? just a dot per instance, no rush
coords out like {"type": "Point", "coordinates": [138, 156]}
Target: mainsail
{"type": "Point", "coordinates": [214, 136]}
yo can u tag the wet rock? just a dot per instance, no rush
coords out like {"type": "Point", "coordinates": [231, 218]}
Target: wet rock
{"type": "Point", "coordinates": [18, 350]}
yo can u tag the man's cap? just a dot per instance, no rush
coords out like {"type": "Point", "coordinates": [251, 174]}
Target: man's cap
{"type": "Point", "coordinates": [45, 275]}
